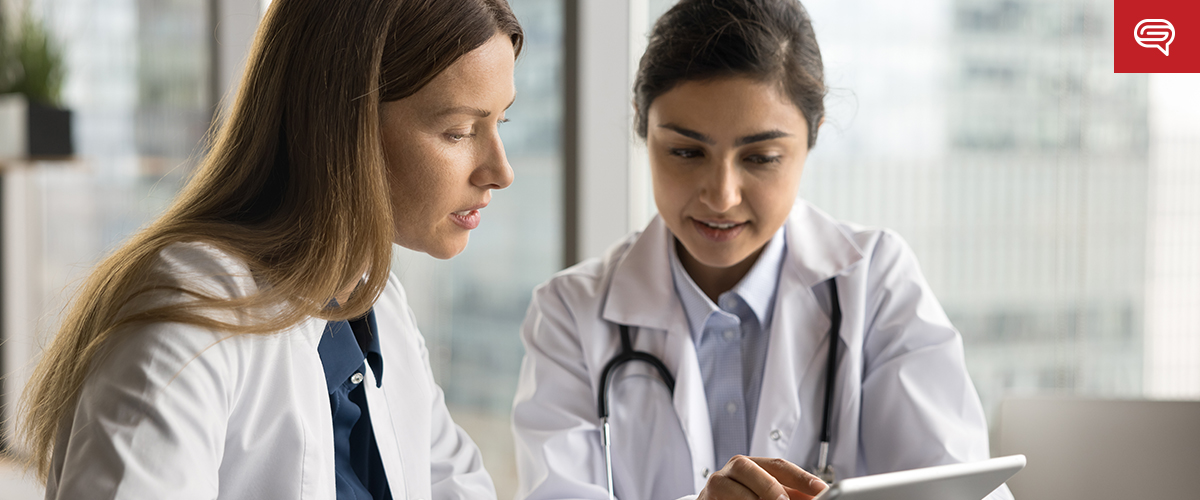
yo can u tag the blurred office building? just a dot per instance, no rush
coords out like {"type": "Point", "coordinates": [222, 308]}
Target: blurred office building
{"type": "Point", "coordinates": [1048, 170]}
{"type": "Point", "coordinates": [994, 136]}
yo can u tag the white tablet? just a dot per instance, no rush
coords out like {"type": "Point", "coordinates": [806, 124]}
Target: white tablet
{"type": "Point", "coordinates": [970, 481]}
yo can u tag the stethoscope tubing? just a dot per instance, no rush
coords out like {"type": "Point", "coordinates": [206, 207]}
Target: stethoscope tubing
{"type": "Point", "coordinates": [627, 354]}
{"type": "Point", "coordinates": [824, 469]}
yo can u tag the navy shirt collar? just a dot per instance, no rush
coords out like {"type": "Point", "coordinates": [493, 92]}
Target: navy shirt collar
{"type": "Point", "coordinates": [340, 352]}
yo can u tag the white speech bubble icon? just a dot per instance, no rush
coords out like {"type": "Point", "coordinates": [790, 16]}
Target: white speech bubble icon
{"type": "Point", "coordinates": [1155, 33]}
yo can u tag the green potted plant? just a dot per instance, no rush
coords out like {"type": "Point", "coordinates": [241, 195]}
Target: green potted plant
{"type": "Point", "coordinates": [32, 121]}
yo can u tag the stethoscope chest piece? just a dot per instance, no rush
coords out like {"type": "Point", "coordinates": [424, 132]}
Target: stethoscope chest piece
{"type": "Point", "coordinates": [826, 474]}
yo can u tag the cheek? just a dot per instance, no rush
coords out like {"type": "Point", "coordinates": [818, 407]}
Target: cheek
{"type": "Point", "coordinates": [415, 179]}
{"type": "Point", "coordinates": [672, 185]}
{"type": "Point", "coordinates": [774, 196]}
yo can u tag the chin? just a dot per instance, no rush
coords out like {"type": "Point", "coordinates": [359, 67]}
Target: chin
{"type": "Point", "coordinates": [438, 248]}
{"type": "Point", "coordinates": [447, 249]}
{"type": "Point", "coordinates": [718, 258]}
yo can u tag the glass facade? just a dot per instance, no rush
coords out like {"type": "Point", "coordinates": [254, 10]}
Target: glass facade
{"type": "Point", "coordinates": [137, 82]}
{"type": "Point", "coordinates": [995, 137]}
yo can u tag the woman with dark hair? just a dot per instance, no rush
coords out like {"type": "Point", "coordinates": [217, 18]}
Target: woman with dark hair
{"type": "Point", "coordinates": [779, 332]}
{"type": "Point", "coordinates": [235, 348]}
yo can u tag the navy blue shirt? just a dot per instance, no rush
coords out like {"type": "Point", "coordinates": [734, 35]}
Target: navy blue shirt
{"type": "Point", "coordinates": [346, 348]}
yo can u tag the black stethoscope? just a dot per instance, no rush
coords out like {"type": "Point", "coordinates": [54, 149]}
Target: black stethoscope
{"type": "Point", "coordinates": [823, 470]}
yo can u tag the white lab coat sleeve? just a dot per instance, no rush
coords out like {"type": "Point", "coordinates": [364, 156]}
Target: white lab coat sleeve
{"type": "Point", "coordinates": [554, 412]}
{"type": "Point", "coordinates": [456, 469]}
{"type": "Point", "coordinates": [919, 407]}
{"type": "Point", "coordinates": [151, 419]}
{"type": "Point", "coordinates": [555, 422]}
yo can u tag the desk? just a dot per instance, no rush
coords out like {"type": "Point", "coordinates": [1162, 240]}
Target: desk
{"type": "Point", "coordinates": [1097, 449]}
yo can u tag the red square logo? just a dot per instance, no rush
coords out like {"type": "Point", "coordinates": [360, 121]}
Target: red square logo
{"type": "Point", "coordinates": [1156, 36]}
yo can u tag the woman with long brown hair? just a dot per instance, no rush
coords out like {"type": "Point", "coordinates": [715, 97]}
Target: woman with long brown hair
{"type": "Point", "coordinates": [235, 347]}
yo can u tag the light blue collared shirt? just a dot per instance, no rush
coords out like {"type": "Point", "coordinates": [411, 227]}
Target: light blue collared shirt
{"type": "Point", "coordinates": [731, 344]}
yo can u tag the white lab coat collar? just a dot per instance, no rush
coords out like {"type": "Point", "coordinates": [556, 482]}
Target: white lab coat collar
{"type": "Point", "coordinates": [647, 266]}
{"type": "Point", "coordinates": [817, 247]}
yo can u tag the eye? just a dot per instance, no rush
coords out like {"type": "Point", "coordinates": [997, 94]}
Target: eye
{"type": "Point", "coordinates": [763, 159]}
{"type": "Point", "coordinates": [458, 136]}
{"type": "Point", "coordinates": [685, 153]}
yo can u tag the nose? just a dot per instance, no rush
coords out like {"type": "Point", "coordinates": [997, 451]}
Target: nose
{"type": "Point", "coordinates": [722, 188]}
{"type": "Point", "coordinates": [493, 171]}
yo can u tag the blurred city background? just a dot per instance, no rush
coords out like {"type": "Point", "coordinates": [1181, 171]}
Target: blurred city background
{"type": "Point", "coordinates": [1054, 205]}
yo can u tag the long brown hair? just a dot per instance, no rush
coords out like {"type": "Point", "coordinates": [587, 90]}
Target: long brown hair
{"type": "Point", "coordinates": [295, 184]}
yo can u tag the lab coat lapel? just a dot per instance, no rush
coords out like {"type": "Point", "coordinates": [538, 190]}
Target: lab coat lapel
{"type": "Point", "coordinates": [817, 251]}
{"type": "Point", "coordinates": [817, 246]}
{"type": "Point", "coordinates": [691, 404]}
{"type": "Point", "coordinates": [402, 436]}
{"type": "Point", "coordinates": [642, 294]}
{"type": "Point", "coordinates": [385, 435]}
{"type": "Point", "coordinates": [797, 332]}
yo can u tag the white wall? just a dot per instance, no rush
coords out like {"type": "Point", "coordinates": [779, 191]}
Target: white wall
{"type": "Point", "coordinates": [605, 116]}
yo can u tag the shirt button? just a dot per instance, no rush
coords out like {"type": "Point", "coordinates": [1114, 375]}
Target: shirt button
{"type": "Point", "coordinates": [704, 473]}
{"type": "Point", "coordinates": [731, 407]}
{"type": "Point", "coordinates": [730, 334]}
{"type": "Point", "coordinates": [356, 378]}
{"type": "Point", "coordinates": [727, 303]}
{"type": "Point", "coordinates": [775, 435]}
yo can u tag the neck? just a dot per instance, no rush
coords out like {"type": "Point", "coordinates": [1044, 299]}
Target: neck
{"type": "Point", "coordinates": [344, 296]}
{"type": "Point", "coordinates": [714, 281]}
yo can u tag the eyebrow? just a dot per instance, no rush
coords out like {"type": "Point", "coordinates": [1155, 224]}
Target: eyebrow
{"type": "Point", "coordinates": [760, 137]}
{"type": "Point", "coordinates": [741, 141]}
{"type": "Point", "coordinates": [468, 110]}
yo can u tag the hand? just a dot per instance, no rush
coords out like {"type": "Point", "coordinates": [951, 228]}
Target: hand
{"type": "Point", "coordinates": [755, 478]}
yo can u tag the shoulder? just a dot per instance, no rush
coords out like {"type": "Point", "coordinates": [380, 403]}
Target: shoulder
{"type": "Point", "coordinates": [395, 317]}
{"type": "Point", "coordinates": [888, 258]}
{"type": "Point", "coordinates": [587, 280]}
{"type": "Point", "coordinates": [204, 268]}
{"type": "Point", "coordinates": [393, 297]}
{"type": "Point", "coordinates": [821, 246]}
{"type": "Point", "coordinates": [166, 352]}
{"type": "Point", "coordinates": [879, 247]}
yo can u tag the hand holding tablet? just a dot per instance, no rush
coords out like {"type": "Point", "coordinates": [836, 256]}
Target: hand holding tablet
{"type": "Point", "coordinates": [774, 478]}
{"type": "Point", "coordinates": [754, 478]}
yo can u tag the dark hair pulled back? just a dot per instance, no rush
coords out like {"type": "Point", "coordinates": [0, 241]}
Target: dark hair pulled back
{"type": "Point", "coordinates": [767, 40]}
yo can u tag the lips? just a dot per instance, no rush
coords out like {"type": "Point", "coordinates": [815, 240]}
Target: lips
{"type": "Point", "coordinates": [719, 230]}
{"type": "Point", "coordinates": [468, 218]}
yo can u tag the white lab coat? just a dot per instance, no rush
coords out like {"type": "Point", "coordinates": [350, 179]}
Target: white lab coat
{"type": "Point", "coordinates": [903, 398]}
{"type": "Point", "coordinates": [178, 412]}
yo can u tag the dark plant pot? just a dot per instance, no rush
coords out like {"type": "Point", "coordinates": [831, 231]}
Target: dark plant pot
{"type": "Point", "coordinates": [49, 130]}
